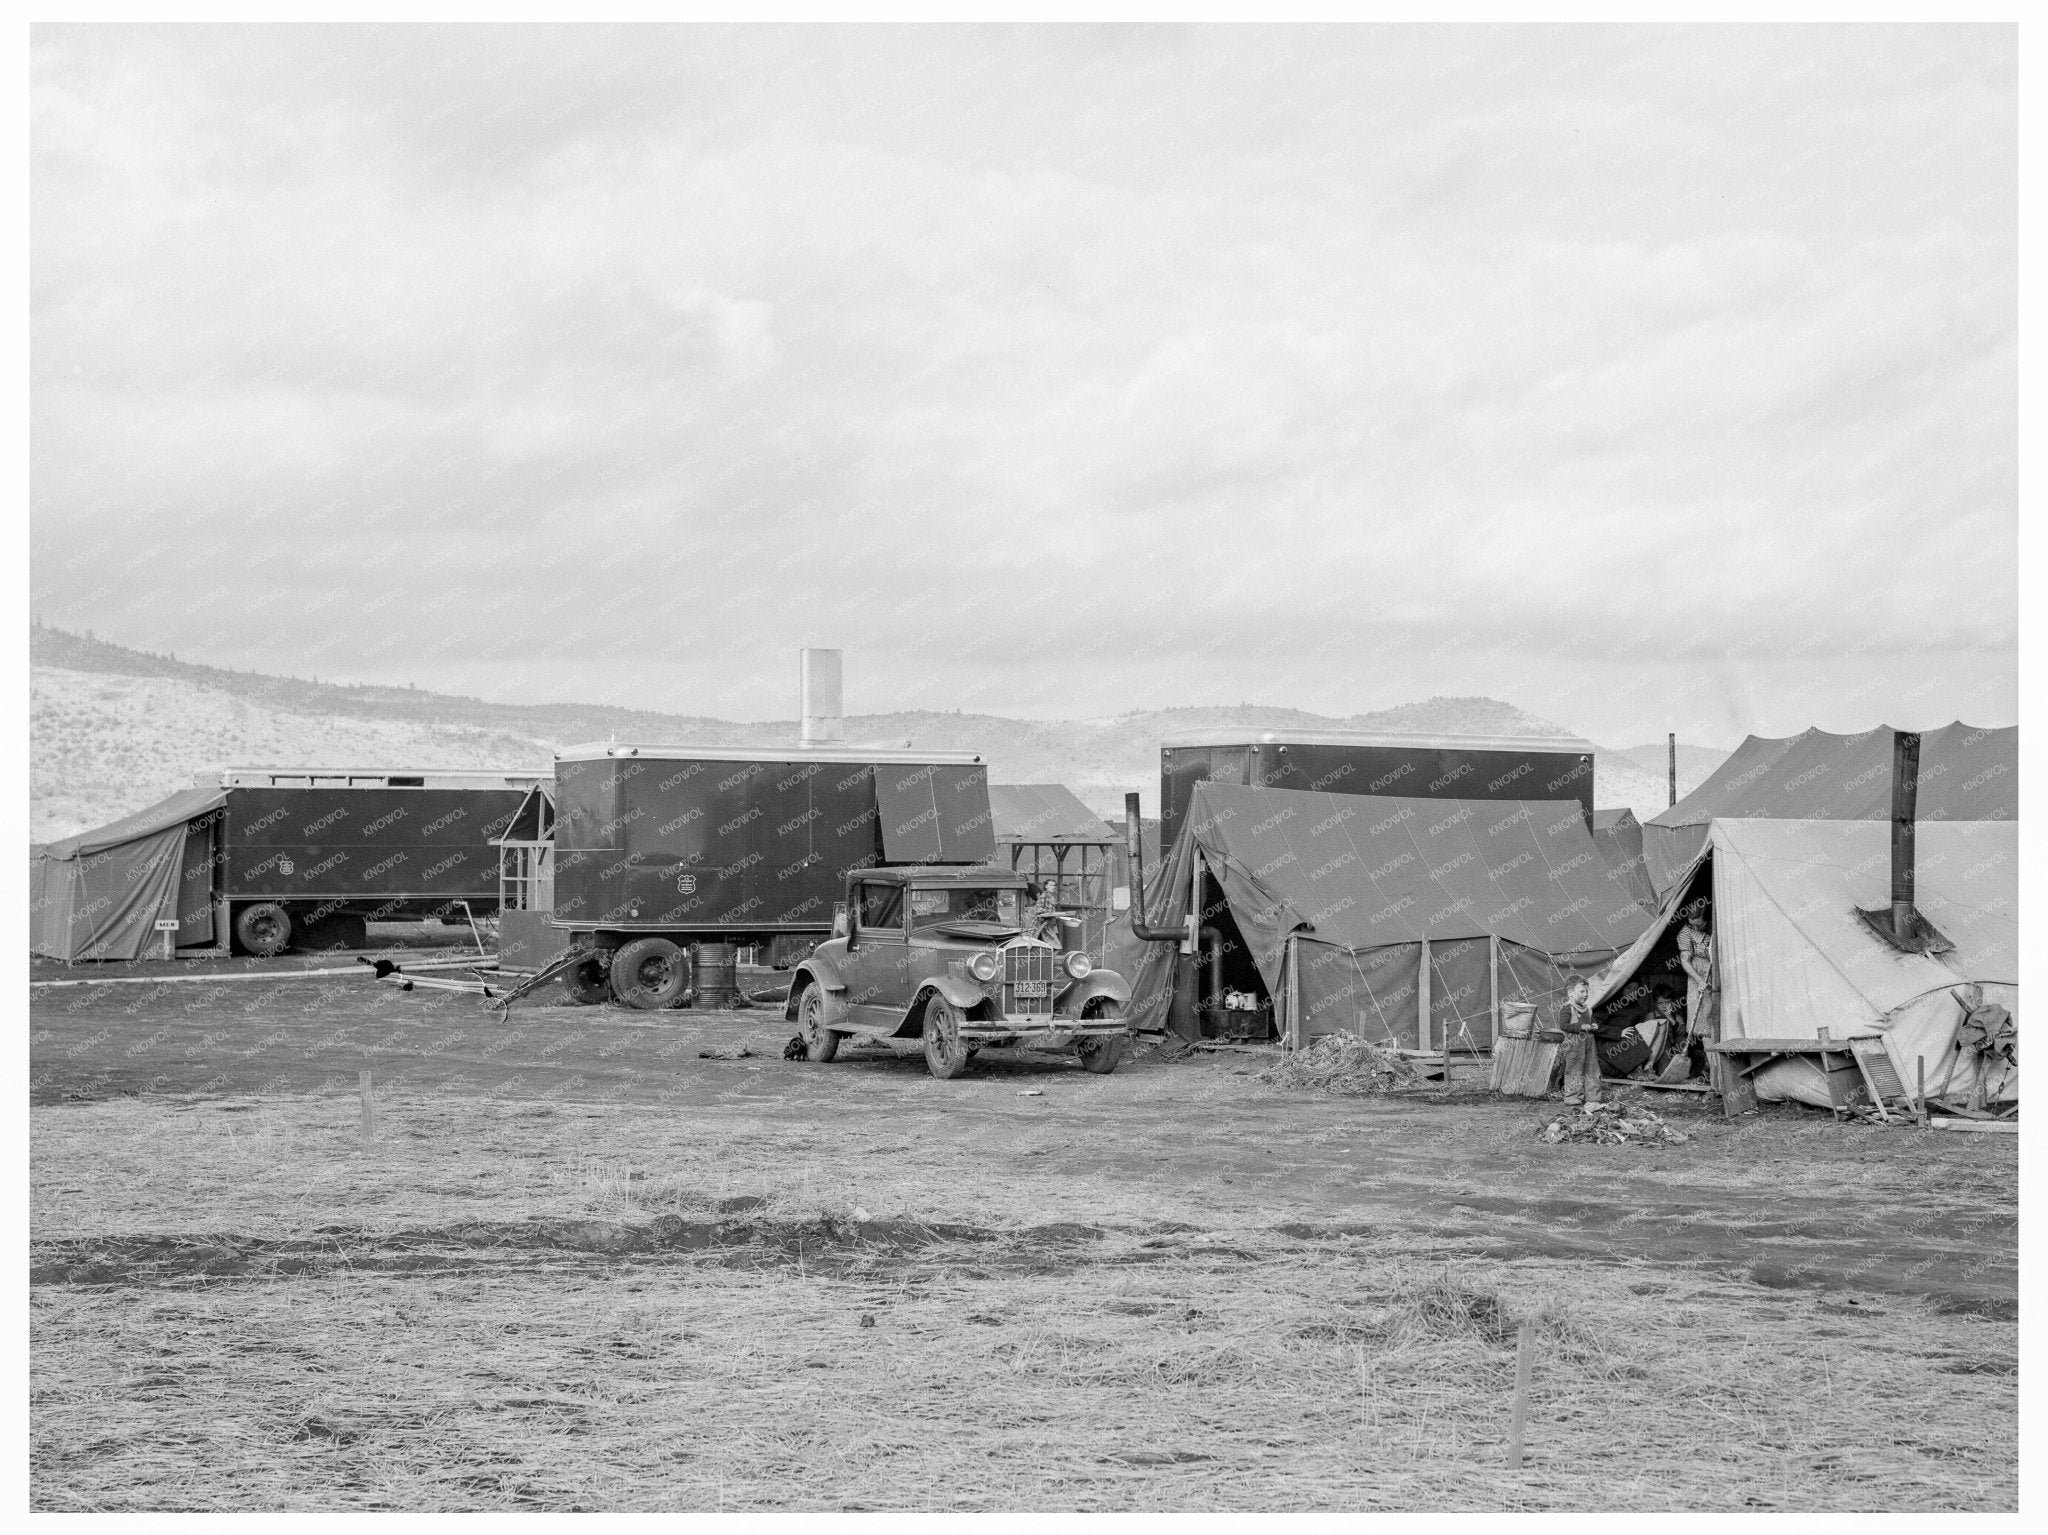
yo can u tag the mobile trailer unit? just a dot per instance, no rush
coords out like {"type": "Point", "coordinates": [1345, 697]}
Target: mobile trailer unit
{"type": "Point", "coordinates": [1395, 764]}
{"type": "Point", "coordinates": [312, 856]}
{"type": "Point", "coordinates": [658, 849]}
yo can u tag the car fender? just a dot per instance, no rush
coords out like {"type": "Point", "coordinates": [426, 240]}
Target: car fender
{"type": "Point", "coordinates": [822, 973]}
{"type": "Point", "coordinates": [965, 995]}
{"type": "Point", "coordinates": [1096, 984]}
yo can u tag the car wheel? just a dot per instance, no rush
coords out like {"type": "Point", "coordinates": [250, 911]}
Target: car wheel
{"type": "Point", "coordinates": [945, 1052]}
{"type": "Point", "coordinates": [650, 973]}
{"type": "Point", "coordinates": [265, 928]}
{"type": "Point", "coordinates": [586, 984]}
{"type": "Point", "coordinates": [1102, 1054]}
{"type": "Point", "coordinates": [820, 1043]}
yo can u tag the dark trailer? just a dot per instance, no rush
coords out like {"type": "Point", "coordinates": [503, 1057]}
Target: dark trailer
{"type": "Point", "coordinates": [1392, 764]}
{"type": "Point", "coordinates": [658, 849]}
{"type": "Point", "coordinates": [308, 857]}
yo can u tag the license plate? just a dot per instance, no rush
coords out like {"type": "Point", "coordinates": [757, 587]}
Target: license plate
{"type": "Point", "coordinates": [1033, 988]}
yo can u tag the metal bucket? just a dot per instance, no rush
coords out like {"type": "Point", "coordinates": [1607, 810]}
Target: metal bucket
{"type": "Point", "coordinates": [716, 973]}
{"type": "Point", "coordinates": [1517, 1020]}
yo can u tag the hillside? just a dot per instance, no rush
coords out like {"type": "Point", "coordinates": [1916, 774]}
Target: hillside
{"type": "Point", "coordinates": [112, 729]}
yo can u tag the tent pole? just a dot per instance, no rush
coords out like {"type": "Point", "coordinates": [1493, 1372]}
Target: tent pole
{"type": "Point", "coordinates": [1493, 983]}
{"type": "Point", "coordinates": [1422, 1036]}
{"type": "Point", "coordinates": [1671, 743]}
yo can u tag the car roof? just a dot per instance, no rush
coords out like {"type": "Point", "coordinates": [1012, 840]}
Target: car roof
{"type": "Point", "coordinates": [941, 874]}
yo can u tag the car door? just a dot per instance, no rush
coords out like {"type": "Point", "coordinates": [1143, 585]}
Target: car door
{"type": "Point", "coordinates": [877, 989]}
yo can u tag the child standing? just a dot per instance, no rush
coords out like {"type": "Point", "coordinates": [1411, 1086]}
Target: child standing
{"type": "Point", "coordinates": [1581, 1059]}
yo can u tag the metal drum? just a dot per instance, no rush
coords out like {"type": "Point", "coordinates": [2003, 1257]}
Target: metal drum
{"type": "Point", "coordinates": [716, 972]}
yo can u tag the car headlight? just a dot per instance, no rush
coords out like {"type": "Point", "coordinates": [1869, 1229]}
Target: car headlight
{"type": "Point", "coordinates": [1079, 964]}
{"type": "Point", "coordinates": [984, 966]}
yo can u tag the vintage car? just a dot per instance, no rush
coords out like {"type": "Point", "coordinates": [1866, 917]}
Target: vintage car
{"type": "Point", "coordinates": [954, 958]}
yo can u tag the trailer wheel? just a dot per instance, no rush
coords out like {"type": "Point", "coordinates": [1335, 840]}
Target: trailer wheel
{"type": "Point", "coordinates": [820, 1043]}
{"type": "Point", "coordinates": [650, 973]}
{"type": "Point", "coordinates": [586, 984]}
{"type": "Point", "coordinates": [945, 1052]}
{"type": "Point", "coordinates": [264, 928]}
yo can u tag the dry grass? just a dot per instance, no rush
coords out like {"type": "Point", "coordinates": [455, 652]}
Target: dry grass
{"type": "Point", "coordinates": [1181, 1351]}
{"type": "Point", "coordinates": [1342, 1064]}
{"type": "Point", "coordinates": [1287, 1378]}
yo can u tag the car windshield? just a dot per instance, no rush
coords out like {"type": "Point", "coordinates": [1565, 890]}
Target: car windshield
{"type": "Point", "coordinates": [965, 903]}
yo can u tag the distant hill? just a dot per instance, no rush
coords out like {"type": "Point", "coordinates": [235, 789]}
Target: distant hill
{"type": "Point", "coordinates": [112, 729]}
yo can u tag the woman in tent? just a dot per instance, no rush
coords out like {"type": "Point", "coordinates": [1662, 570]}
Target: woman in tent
{"type": "Point", "coordinates": [1696, 959]}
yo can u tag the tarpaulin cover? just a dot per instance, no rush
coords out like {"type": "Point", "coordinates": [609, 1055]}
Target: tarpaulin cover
{"type": "Point", "coordinates": [1044, 812]}
{"type": "Point", "coordinates": [1353, 885]}
{"type": "Point", "coordinates": [1619, 836]}
{"type": "Point", "coordinates": [100, 894]}
{"type": "Point", "coordinates": [1967, 773]}
{"type": "Point", "coordinates": [935, 813]}
{"type": "Point", "coordinates": [1794, 958]}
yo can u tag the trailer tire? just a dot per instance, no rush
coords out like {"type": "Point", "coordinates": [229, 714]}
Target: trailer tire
{"type": "Point", "coordinates": [650, 974]}
{"type": "Point", "coordinates": [586, 984]}
{"type": "Point", "coordinates": [264, 928]}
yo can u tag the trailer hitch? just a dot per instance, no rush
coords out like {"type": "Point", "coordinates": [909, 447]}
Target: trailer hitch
{"type": "Point", "coordinates": [552, 970]}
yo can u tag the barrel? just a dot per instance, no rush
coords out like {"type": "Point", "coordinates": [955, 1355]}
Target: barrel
{"type": "Point", "coordinates": [716, 971]}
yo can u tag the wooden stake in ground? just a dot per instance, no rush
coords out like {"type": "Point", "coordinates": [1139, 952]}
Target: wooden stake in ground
{"type": "Point", "coordinates": [1524, 1355]}
{"type": "Point", "coordinates": [369, 1112]}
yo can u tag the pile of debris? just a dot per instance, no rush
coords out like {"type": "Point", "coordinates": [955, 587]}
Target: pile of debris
{"type": "Point", "coordinates": [1342, 1064]}
{"type": "Point", "coordinates": [1612, 1124]}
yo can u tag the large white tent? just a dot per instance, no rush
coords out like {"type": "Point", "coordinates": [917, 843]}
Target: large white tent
{"type": "Point", "coordinates": [1794, 958]}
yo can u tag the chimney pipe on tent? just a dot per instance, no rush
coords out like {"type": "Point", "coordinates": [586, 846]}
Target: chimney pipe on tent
{"type": "Point", "coordinates": [1905, 804]}
{"type": "Point", "coordinates": [1671, 742]}
{"type": "Point", "coordinates": [1134, 849]}
{"type": "Point", "coordinates": [823, 706]}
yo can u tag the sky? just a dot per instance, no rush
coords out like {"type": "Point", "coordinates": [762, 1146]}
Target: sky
{"type": "Point", "coordinates": [1652, 379]}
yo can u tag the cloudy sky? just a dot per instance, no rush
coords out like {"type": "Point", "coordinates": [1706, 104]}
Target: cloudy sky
{"type": "Point", "coordinates": [1647, 378]}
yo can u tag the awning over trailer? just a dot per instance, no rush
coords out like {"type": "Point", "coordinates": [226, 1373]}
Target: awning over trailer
{"type": "Point", "coordinates": [1512, 898]}
{"type": "Point", "coordinates": [934, 813]}
{"type": "Point", "coordinates": [1044, 812]}
{"type": "Point", "coordinates": [1794, 958]}
{"type": "Point", "coordinates": [1967, 773]}
{"type": "Point", "coordinates": [100, 894]}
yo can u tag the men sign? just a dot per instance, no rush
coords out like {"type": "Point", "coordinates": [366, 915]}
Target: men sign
{"type": "Point", "coordinates": [168, 926]}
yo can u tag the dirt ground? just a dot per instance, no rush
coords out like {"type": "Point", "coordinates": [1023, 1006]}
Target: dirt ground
{"type": "Point", "coordinates": [581, 1266]}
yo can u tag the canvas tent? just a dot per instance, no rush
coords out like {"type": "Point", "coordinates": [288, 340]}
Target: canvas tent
{"type": "Point", "coordinates": [1794, 958]}
{"type": "Point", "coordinates": [1619, 836]}
{"type": "Point", "coordinates": [1967, 773]}
{"type": "Point", "coordinates": [1405, 920]}
{"type": "Point", "coordinates": [100, 894]}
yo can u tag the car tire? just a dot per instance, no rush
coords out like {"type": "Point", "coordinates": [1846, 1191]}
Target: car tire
{"type": "Point", "coordinates": [820, 1043]}
{"type": "Point", "coordinates": [650, 973]}
{"type": "Point", "coordinates": [586, 984]}
{"type": "Point", "coordinates": [945, 1052]}
{"type": "Point", "coordinates": [1100, 1054]}
{"type": "Point", "coordinates": [264, 928]}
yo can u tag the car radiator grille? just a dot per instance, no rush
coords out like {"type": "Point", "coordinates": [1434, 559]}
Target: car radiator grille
{"type": "Point", "coordinates": [1028, 968]}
